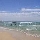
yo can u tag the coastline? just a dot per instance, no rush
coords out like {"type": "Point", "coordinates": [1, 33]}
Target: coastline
{"type": "Point", "coordinates": [17, 35]}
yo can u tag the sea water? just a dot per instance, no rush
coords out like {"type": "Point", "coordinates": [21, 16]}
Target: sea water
{"type": "Point", "coordinates": [29, 27]}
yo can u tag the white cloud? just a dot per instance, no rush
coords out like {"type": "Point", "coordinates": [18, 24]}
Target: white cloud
{"type": "Point", "coordinates": [21, 16]}
{"type": "Point", "coordinates": [3, 11]}
{"type": "Point", "coordinates": [24, 9]}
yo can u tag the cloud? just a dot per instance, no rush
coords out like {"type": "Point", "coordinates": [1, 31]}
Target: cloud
{"type": "Point", "coordinates": [24, 9]}
{"type": "Point", "coordinates": [20, 16]}
{"type": "Point", "coordinates": [31, 12]}
{"type": "Point", "coordinates": [3, 11]}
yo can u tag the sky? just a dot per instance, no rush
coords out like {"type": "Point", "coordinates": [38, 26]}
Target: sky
{"type": "Point", "coordinates": [20, 10]}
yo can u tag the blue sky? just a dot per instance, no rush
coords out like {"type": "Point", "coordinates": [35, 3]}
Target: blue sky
{"type": "Point", "coordinates": [16, 5]}
{"type": "Point", "coordinates": [16, 10]}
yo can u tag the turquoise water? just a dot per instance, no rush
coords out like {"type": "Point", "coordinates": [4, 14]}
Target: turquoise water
{"type": "Point", "coordinates": [31, 27]}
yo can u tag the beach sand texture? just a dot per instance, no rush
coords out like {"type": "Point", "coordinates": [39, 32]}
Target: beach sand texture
{"type": "Point", "coordinates": [15, 35]}
{"type": "Point", "coordinates": [6, 36]}
{"type": "Point", "coordinates": [23, 36]}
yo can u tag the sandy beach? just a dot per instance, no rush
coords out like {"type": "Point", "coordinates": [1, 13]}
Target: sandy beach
{"type": "Point", "coordinates": [15, 35]}
{"type": "Point", "coordinates": [6, 36]}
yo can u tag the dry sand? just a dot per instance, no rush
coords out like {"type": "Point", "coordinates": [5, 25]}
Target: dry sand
{"type": "Point", "coordinates": [6, 36]}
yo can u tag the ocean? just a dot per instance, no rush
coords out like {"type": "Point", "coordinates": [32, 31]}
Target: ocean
{"type": "Point", "coordinates": [29, 27]}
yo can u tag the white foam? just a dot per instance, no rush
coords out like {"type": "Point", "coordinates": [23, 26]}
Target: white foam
{"type": "Point", "coordinates": [5, 28]}
{"type": "Point", "coordinates": [28, 29]}
{"type": "Point", "coordinates": [24, 32]}
{"type": "Point", "coordinates": [37, 36]}
{"type": "Point", "coordinates": [34, 25]}
{"type": "Point", "coordinates": [27, 34]}
{"type": "Point", "coordinates": [10, 29]}
{"type": "Point", "coordinates": [32, 35]}
{"type": "Point", "coordinates": [20, 25]}
{"type": "Point", "coordinates": [1, 27]}
{"type": "Point", "coordinates": [16, 30]}
{"type": "Point", "coordinates": [21, 31]}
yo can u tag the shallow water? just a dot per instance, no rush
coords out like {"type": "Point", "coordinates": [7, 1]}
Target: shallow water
{"type": "Point", "coordinates": [33, 28]}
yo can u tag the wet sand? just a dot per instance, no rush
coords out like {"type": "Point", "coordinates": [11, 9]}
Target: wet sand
{"type": "Point", "coordinates": [9, 34]}
{"type": "Point", "coordinates": [23, 36]}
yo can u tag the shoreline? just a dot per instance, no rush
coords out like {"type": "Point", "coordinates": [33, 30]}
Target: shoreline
{"type": "Point", "coordinates": [19, 35]}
